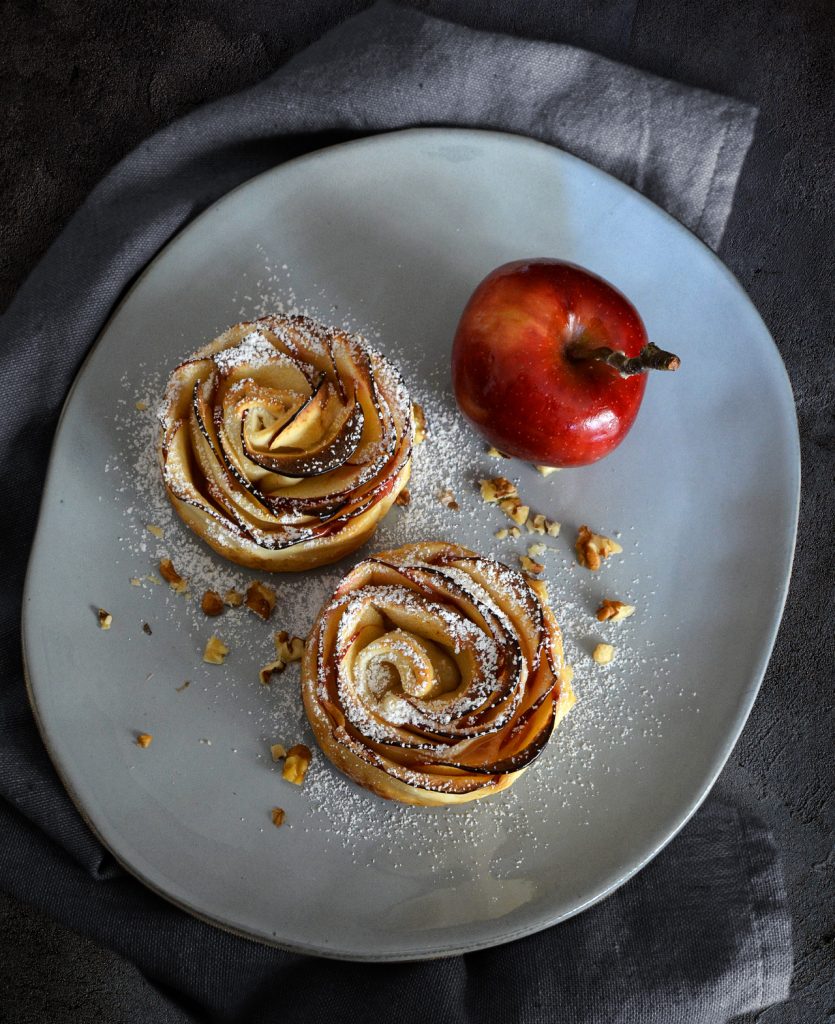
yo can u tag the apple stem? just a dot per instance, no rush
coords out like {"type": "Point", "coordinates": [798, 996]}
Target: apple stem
{"type": "Point", "coordinates": [651, 357]}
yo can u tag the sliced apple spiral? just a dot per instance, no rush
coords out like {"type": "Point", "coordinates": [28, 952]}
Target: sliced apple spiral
{"type": "Point", "coordinates": [434, 676]}
{"type": "Point", "coordinates": [284, 442]}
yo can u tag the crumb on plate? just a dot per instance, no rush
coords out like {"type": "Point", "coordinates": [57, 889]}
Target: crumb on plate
{"type": "Point", "coordinates": [603, 654]}
{"type": "Point", "coordinates": [215, 651]}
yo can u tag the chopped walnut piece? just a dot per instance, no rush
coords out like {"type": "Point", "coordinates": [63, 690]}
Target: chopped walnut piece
{"type": "Point", "coordinates": [135, 581]}
{"type": "Point", "coordinates": [105, 619]}
{"type": "Point", "coordinates": [515, 532]}
{"type": "Point", "coordinates": [290, 648]}
{"type": "Point", "coordinates": [140, 406]}
{"type": "Point", "coordinates": [497, 488]}
{"type": "Point", "coordinates": [277, 815]}
{"type": "Point", "coordinates": [144, 739]}
{"type": "Point", "coordinates": [146, 629]}
{"type": "Point", "coordinates": [404, 498]}
{"type": "Point", "coordinates": [515, 510]}
{"type": "Point", "coordinates": [211, 603]}
{"type": "Point", "coordinates": [603, 654]}
{"type": "Point", "coordinates": [539, 587]}
{"type": "Point", "coordinates": [287, 648]}
{"type": "Point", "coordinates": [502, 534]}
{"type": "Point", "coordinates": [614, 611]}
{"type": "Point", "coordinates": [155, 530]}
{"type": "Point", "coordinates": [266, 672]}
{"type": "Point", "coordinates": [494, 453]}
{"type": "Point", "coordinates": [592, 548]}
{"type": "Point", "coordinates": [278, 751]}
{"type": "Point", "coordinates": [215, 651]}
{"type": "Point", "coordinates": [535, 550]}
{"type": "Point", "coordinates": [171, 576]}
{"type": "Point", "coordinates": [234, 598]}
{"type": "Point", "coordinates": [536, 523]}
{"type": "Point", "coordinates": [547, 470]}
{"type": "Point", "coordinates": [419, 420]}
{"type": "Point", "coordinates": [447, 499]}
{"type": "Point", "coordinates": [260, 599]}
{"type": "Point", "coordinates": [296, 764]}
{"type": "Point", "coordinates": [529, 565]}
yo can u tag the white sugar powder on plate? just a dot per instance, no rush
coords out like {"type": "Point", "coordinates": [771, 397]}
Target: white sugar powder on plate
{"type": "Point", "coordinates": [452, 459]}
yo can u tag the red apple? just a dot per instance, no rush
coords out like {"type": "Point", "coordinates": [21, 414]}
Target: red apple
{"type": "Point", "coordinates": [549, 362]}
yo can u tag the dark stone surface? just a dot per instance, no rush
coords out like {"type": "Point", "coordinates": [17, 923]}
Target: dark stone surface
{"type": "Point", "coordinates": [83, 82]}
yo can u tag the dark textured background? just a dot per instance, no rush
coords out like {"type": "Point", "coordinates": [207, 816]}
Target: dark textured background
{"type": "Point", "coordinates": [83, 82]}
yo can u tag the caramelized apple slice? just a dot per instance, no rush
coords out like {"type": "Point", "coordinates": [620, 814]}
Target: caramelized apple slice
{"type": "Point", "coordinates": [339, 442]}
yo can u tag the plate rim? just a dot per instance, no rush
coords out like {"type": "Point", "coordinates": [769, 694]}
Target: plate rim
{"type": "Point", "coordinates": [541, 919]}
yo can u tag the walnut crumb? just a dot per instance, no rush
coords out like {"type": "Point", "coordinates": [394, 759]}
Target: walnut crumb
{"type": "Point", "coordinates": [603, 654]}
{"type": "Point", "coordinates": [278, 751]}
{"type": "Point", "coordinates": [404, 498]}
{"type": "Point", "coordinates": [215, 651]}
{"type": "Point", "coordinates": [529, 565]}
{"type": "Point", "coordinates": [494, 453]}
{"type": "Point", "coordinates": [592, 548]}
{"type": "Point", "coordinates": [547, 470]}
{"type": "Point", "coordinates": [290, 648]}
{"type": "Point", "coordinates": [155, 530]}
{"type": "Point", "coordinates": [614, 611]}
{"type": "Point", "coordinates": [234, 598]}
{"type": "Point", "coordinates": [497, 489]}
{"type": "Point", "coordinates": [260, 599]}
{"type": "Point", "coordinates": [272, 668]}
{"type": "Point", "coordinates": [535, 550]}
{"type": "Point", "coordinates": [296, 764]}
{"type": "Point", "coordinates": [105, 619]}
{"type": "Point", "coordinates": [135, 581]}
{"type": "Point", "coordinates": [277, 815]}
{"type": "Point", "coordinates": [144, 740]}
{"type": "Point", "coordinates": [146, 629]}
{"type": "Point", "coordinates": [211, 603]}
{"type": "Point", "coordinates": [140, 406]}
{"type": "Point", "coordinates": [419, 420]}
{"type": "Point", "coordinates": [502, 534]}
{"type": "Point", "coordinates": [171, 576]}
{"type": "Point", "coordinates": [447, 499]}
{"type": "Point", "coordinates": [536, 523]}
{"type": "Point", "coordinates": [515, 510]}
{"type": "Point", "coordinates": [287, 648]}
{"type": "Point", "coordinates": [515, 532]}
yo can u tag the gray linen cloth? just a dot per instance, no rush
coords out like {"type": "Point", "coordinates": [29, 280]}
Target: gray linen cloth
{"type": "Point", "coordinates": [703, 933]}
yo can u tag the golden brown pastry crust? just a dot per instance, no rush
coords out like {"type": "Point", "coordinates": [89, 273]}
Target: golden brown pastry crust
{"type": "Point", "coordinates": [434, 676]}
{"type": "Point", "coordinates": [285, 442]}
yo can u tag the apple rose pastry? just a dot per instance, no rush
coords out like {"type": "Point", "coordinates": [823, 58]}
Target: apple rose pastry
{"type": "Point", "coordinates": [284, 442]}
{"type": "Point", "coordinates": [434, 676]}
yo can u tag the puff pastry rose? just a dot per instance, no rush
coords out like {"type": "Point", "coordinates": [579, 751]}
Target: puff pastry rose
{"type": "Point", "coordinates": [284, 442]}
{"type": "Point", "coordinates": [434, 676]}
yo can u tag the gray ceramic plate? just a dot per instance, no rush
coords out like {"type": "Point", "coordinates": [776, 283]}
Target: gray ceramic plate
{"type": "Point", "coordinates": [392, 234]}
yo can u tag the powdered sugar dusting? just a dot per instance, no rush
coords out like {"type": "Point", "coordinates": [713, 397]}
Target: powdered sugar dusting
{"type": "Point", "coordinates": [335, 810]}
{"type": "Point", "coordinates": [253, 350]}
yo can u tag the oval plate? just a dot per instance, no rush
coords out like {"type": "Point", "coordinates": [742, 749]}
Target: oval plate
{"type": "Point", "coordinates": [394, 232]}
